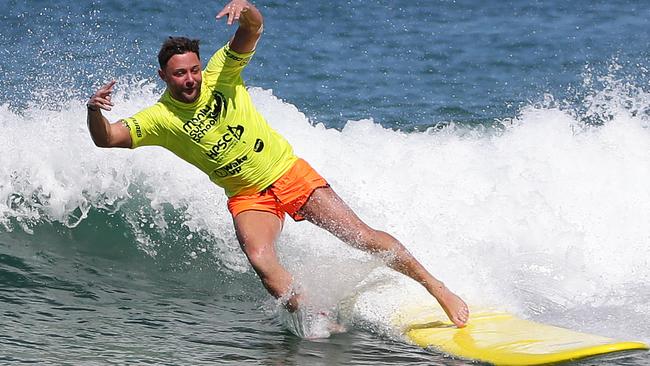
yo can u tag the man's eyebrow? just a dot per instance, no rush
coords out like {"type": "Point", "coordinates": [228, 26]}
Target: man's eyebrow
{"type": "Point", "coordinates": [183, 68]}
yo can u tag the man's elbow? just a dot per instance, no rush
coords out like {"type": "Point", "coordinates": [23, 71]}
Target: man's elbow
{"type": "Point", "coordinates": [102, 144]}
{"type": "Point", "coordinates": [118, 138]}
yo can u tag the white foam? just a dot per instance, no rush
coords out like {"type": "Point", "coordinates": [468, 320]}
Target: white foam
{"type": "Point", "coordinates": [548, 217]}
{"type": "Point", "coordinates": [545, 217]}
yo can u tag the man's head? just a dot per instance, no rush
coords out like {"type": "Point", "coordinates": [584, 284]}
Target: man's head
{"type": "Point", "coordinates": [180, 68]}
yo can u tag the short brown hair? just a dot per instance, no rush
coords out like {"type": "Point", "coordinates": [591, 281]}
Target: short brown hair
{"type": "Point", "coordinates": [177, 46]}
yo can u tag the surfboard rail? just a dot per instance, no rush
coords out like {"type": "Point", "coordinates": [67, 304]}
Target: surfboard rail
{"type": "Point", "coordinates": [502, 338]}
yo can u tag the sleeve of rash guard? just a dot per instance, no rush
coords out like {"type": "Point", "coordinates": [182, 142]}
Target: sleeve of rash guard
{"type": "Point", "coordinates": [225, 66]}
{"type": "Point", "coordinates": [145, 128]}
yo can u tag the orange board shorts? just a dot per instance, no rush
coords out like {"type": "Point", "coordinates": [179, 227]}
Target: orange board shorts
{"type": "Point", "coordinates": [286, 195]}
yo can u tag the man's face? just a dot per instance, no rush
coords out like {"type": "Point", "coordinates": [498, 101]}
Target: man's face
{"type": "Point", "coordinates": [182, 74]}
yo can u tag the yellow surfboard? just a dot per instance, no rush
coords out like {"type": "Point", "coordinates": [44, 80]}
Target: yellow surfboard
{"type": "Point", "coordinates": [503, 339]}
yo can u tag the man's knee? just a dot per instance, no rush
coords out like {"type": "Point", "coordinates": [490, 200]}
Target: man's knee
{"type": "Point", "coordinates": [264, 262]}
{"type": "Point", "coordinates": [258, 255]}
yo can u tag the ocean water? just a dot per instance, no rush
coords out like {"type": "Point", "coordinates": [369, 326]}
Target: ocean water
{"type": "Point", "coordinates": [506, 144]}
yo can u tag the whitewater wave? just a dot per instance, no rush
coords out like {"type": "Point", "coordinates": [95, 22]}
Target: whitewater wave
{"type": "Point", "coordinates": [544, 215]}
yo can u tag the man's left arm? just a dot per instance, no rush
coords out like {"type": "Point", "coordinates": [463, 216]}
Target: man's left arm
{"type": "Point", "coordinates": [251, 24]}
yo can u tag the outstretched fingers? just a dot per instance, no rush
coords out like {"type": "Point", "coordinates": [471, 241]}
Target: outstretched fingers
{"type": "Point", "coordinates": [102, 97]}
{"type": "Point", "coordinates": [108, 86]}
{"type": "Point", "coordinates": [103, 103]}
{"type": "Point", "coordinates": [234, 10]}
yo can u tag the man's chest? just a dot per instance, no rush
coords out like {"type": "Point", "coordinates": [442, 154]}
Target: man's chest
{"type": "Point", "coordinates": [206, 122]}
{"type": "Point", "coordinates": [216, 128]}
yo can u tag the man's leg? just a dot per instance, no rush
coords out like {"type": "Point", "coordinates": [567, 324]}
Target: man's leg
{"type": "Point", "coordinates": [327, 210]}
{"type": "Point", "coordinates": [257, 232]}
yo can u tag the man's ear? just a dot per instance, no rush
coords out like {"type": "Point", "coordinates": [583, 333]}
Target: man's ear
{"type": "Point", "coordinates": [161, 73]}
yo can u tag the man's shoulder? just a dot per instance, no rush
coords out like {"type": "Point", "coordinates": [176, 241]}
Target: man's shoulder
{"type": "Point", "coordinates": [225, 66]}
{"type": "Point", "coordinates": [153, 114]}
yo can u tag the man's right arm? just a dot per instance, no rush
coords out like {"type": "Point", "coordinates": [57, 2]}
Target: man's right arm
{"type": "Point", "coordinates": [104, 133]}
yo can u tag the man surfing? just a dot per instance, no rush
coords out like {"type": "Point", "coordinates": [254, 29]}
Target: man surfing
{"type": "Point", "coordinates": [207, 118]}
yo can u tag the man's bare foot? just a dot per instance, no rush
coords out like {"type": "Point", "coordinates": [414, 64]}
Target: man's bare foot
{"type": "Point", "coordinates": [454, 306]}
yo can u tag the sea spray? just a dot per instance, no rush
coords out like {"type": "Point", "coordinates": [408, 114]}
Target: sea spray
{"type": "Point", "coordinates": [545, 216]}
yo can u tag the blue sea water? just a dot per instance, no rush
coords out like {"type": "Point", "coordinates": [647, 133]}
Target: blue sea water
{"type": "Point", "coordinates": [505, 144]}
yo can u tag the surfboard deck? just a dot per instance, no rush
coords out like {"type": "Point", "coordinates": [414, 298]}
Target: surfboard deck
{"type": "Point", "coordinates": [503, 339]}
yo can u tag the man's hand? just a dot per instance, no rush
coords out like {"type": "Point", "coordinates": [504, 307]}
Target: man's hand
{"type": "Point", "coordinates": [102, 98]}
{"type": "Point", "coordinates": [234, 10]}
{"type": "Point", "coordinates": [104, 133]}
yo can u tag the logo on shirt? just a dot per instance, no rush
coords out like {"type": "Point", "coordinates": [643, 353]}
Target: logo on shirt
{"type": "Point", "coordinates": [242, 60]}
{"type": "Point", "coordinates": [127, 123]}
{"type": "Point", "coordinates": [231, 168]}
{"type": "Point", "coordinates": [206, 118]}
{"type": "Point", "coordinates": [259, 145]}
{"type": "Point", "coordinates": [232, 136]}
